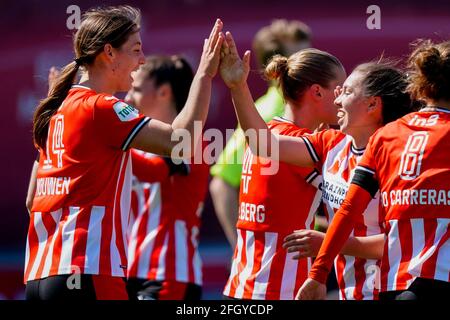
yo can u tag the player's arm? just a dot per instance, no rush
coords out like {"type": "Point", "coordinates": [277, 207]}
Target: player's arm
{"type": "Point", "coordinates": [159, 137]}
{"type": "Point", "coordinates": [234, 72]}
{"type": "Point", "coordinates": [32, 186]}
{"type": "Point", "coordinates": [225, 199]}
{"type": "Point", "coordinates": [307, 243]}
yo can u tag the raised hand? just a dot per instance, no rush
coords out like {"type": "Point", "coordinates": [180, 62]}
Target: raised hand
{"type": "Point", "coordinates": [210, 59]}
{"type": "Point", "coordinates": [306, 242]}
{"type": "Point", "coordinates": [312, 290]}
{"type": "Point", "coordinates": [233, 70]}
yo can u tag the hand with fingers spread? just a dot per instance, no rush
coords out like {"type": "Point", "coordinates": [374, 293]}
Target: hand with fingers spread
{"type": "Point", "coordinates": [233, 70]}
{"type": "Point", "coordinates": [306, 242]}
{"type": "Point", "coordinates": [312, 290]}
{"type": "Point", "coordinates": [210, 59]}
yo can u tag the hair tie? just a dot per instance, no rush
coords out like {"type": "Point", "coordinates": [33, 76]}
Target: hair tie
{"type": "Point", "coordinates": [78, 61]}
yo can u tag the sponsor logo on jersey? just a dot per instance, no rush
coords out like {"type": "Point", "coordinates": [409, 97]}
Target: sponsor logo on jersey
{"type": "Point", "coordinates": [125, 112]}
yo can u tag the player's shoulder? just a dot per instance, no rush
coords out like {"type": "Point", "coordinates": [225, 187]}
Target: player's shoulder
{"type": "Point", "coordinates": [394, 128]}
{"type": "Point", "coordinates": [111, 104]}
{"type": "Point", "coordinates": [330, 135]}
{"type": "Point", "coordinates": [286, 127]}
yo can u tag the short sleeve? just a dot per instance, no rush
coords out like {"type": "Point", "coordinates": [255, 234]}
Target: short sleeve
{"type": "Point", "coordinates": [310, 174]}
{"type": "Point", "coordinates": [319, 143]}
{"type": "Point", "coordinates": [116, 122]}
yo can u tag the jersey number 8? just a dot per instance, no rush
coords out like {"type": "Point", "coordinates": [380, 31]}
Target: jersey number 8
{"type": "Point", "coordinates": [412, 155]}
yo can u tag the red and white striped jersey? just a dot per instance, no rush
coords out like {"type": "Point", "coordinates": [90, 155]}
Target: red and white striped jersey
{"type": "Point", "coordinates": [164, 235]}
{"type": "Point", "coordinates": [275, 199]}
{"type": "Point", "coordinates": [80, 210]}
{"type": "Point", "coordinates": [409, 159]}
{"type": "Point", "coordinates": [338, 157]}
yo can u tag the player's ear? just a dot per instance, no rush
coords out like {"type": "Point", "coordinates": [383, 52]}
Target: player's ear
{"type": "Point", "coordinates": [375, 108]}
{"type": "Point", "coordinates": [108, 50]}
{"type": "Point", "coordinates": [165, 91]}
{"type": "Point", "coordinates": [374, 103]}
{"type": "Point", "coordinates": [316, 91]}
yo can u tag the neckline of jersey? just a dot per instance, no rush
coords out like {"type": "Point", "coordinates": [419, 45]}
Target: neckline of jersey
{"type": "Point", "coordinates": [434, 109]}
{"type": "Point", "coordinates": [357, 151]}
{"type": "Point", "coordinates": [80, 86]}
{"type": "Point", "coordinates": [282, 119]}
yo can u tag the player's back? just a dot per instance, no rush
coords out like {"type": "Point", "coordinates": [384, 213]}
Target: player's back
{"type": "Point", "coordinates": [410, 160]}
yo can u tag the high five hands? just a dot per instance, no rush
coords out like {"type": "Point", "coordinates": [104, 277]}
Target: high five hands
{"type": "Point", "coordinates": [233, 70]}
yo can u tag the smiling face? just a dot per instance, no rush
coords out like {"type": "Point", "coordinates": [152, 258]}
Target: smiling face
{"type": "Point", "coordinates": [128, 58]}
{"type": "Point", "coordinates": [353, 105]}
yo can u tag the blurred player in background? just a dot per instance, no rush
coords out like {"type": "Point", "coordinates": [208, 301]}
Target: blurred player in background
{"type": "Point", "coordinates": [167, 200]}
{"type": "Point", "coordinates": [280, 37]}
{"type": "Point", "coordinates": [407, 160]}
{"type": "Point", "coordinates": [80, 210]}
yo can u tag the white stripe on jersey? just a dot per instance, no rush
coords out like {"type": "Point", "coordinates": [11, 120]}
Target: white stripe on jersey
{"type": "Point", "coordinates": [134, 225]}
{"type": "Point", "coordinates": [417, 241]}
{"type": "Point", "coordinates": [262, 277]}
{"type": "Point", "coordinates": [289, 277]}
{"type": "Point", "coordinates": [125, 202]}
{"type": "Point", "coordinates": [443, 259]}
{"type": "Point", "coordinates": [116, 270]}
{"type": "Point", "coordinates": [181, 252]}
{"type": "Point", "coordinates": [56, 215]}
{"type": "Point", "coordinates": [415, 265]}
{"type": "Point", "coordinates": [349, 277]}
{"type": "Point", "coordinates": [42, 238]}
{"type": "Point", "coordinates": [161, 271]}
{"type": "Point", "coordinates": [395, 253]}
{"type": "Point", "coordinates": [197, 261]}
{"type": "Point", "coordinates": [236, 262]}
{"type": "Point", "coordinates": [290, 265]}
{"type": "Point", "coordinates": [92, 262]}
{"type": "Point", "coordinates": [68, 235]}
{"type": "Point", "coordinates": [373, 279]}
{"type": "Point", "coordinates": [152, 225]}
{"type": "Point", "coordinates": [250, 257]}
{"type": "Point", "coordinates": [312, 211]}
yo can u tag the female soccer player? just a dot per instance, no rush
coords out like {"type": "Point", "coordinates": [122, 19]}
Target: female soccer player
{"type": "Point", "coordinates": [269, 205]}
{"type": "Point", "coordinates": [407, 160]}
{"type": "Point", "coordinates": [164, 262]}
{"type": "Point", "coordinates": [371, 96]}
{"type": "Point", "coordinates": [77, 239]}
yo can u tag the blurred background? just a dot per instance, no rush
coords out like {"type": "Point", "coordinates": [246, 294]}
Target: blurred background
{"type": "Point", "coordinates": [35, 37]}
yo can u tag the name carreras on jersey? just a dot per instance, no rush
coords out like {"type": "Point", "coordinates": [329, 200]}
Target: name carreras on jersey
{"type": "Point", "coordinates": [409, 197]}
{"type": "Point", "coordinates": [125, 112]}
